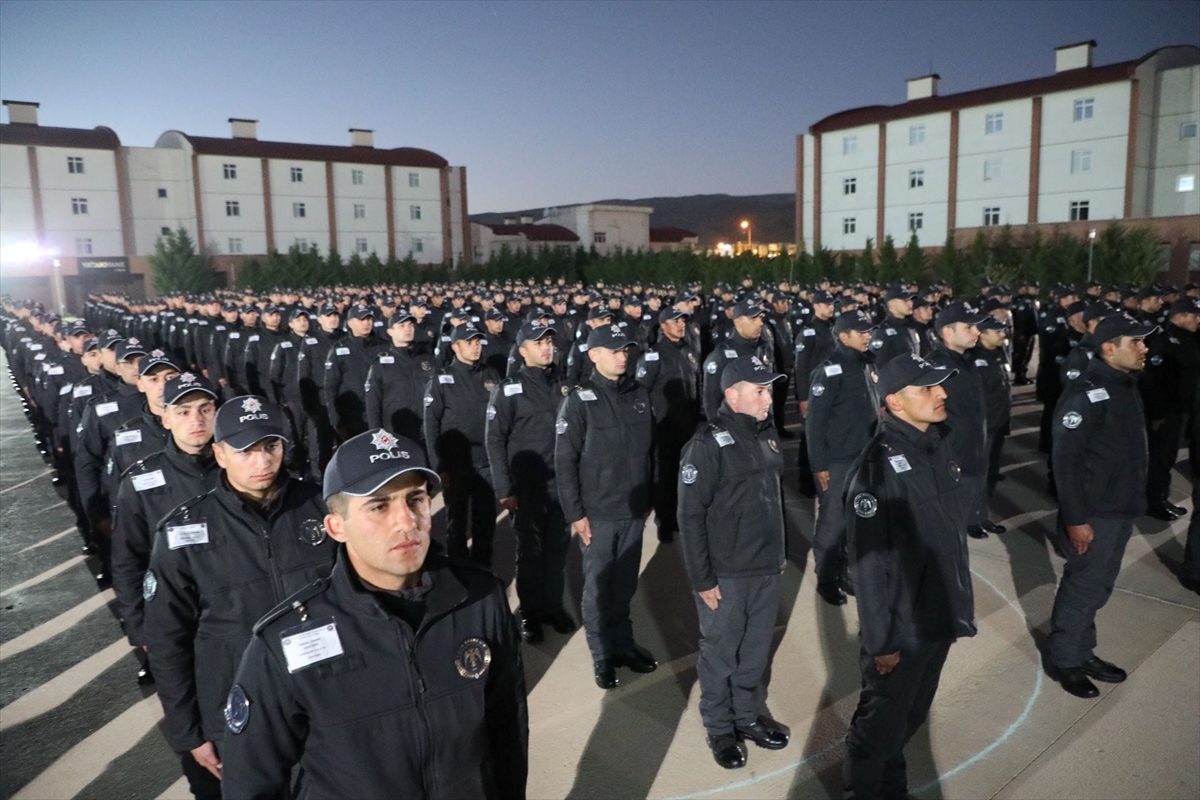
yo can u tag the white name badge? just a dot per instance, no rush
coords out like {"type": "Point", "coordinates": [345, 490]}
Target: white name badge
{"type": "Point", "coordinates": [890, 331]}
{"type": "Point", "coordinates": [128, 437]}
{"type": "Point", "coordinates": [235, 336]}
{"type": "Point", "coordinates": [651, 355]}
{"type": "Point", "coordinates": [343, 351]}
{"type": "Point", "coordinates": [583, 348]}
{"type": "Point", "coordinates": [1096, 395]}
{"type": "Point", "coordinates": [82, 391]}
{"type": "Point", "coordinates": [39, 357]}
{"type": "Point", "coordinates": [899, 463]}
{"type": "Point", "coordinates": [35, 347]}
{"type": "Point", "coordinates": [981, 362]}
{"type": "Point", "coordinates": [149, 480]}
{"type": "Point", "coordinates": [833, 369]}
{"type": "Point", "coordinates": [724, 438]}
{"type": "Point", "coordinates": [587, 394]}
{"type": "Point", "coordinates": [185, 535]}
{"type": "Point", "coordinates": [810, 331]}
{"type": "Point", "coordinates": [731, 353]}
{"type": "Point", "coordinates": [66, 389]}
{"type": "Point", "coordinates": [513, 388]}
{"type": "Point", "coordinates": [104, 409]}
{"type": "Point", "coordinates": [387, 359]}
{"type": "Point", "coordinates": [304, 647]}
{"type": "Point", "coordinates": [285, 344]}
{"type": "Point", "coordinates": [445, 379]}
{"type": "Point", "coordinates": [310, 340]}
{"type": "Point", "coordinates": [54, 371]}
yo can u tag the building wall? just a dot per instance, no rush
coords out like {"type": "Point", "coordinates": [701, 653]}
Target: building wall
{"type": "Point", "coordinates": [806, 182]}
{"type": "Point", "coordinates": [371, 194]}
{"type": "Point", "coordinates": [149, 169]}
{"type": "Point", "coordinates": [422, 238]}
{"type": "Point", "coordinates": [17, 222]}
{"type": "Point", "coordinates": [836, 205]}
{"type": "Point", "coordinates": [626, 229]}
{"type": "Point", "coordinates": [246, 189]}
{"type": "Point", "coordinates": [1104, 136]}
{"type": "Point", "coordinates": [1178, 93]}
{"type": "Point", "coordinates": [309, 195]}
{"type": "Point", "coordinates": [97, 184]}
{"type": "Point", "coordinates": [1005, 153]}
{"type": "Point", "coordinates": [932, 157]}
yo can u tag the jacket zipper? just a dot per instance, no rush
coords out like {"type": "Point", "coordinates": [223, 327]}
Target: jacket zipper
{"type": "Point", "coordinates": [414, 669]}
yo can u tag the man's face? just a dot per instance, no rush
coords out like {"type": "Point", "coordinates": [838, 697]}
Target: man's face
{"type": "Point", "coordinates": [1188, 321]}
{"type": "Point", "coordinates": [108, 359]}
{"type": "Point", "coordinates": [856, 340]}
{"type": "Point", "coordinates": [1151, 305]}
{"type": "Point", "coordinates": [539, 353]}
{"type": "Point", "coordinates": [78, 341]}
{"type": "Point", "coordinates": [494, 326]}
{"type": "Point", "coordinates": [609, 363]}
{"type": "Point", "coordinates": [750, 399]}
{"type": "Point", "coordinates": [127, 370]}
{"type": "Point", "coordinates": [253, 469]}
{"type": "Point", "coordinates": [992, 339]}
{"type": "Point", "coordinates": [924, 314]}
{"type": "Point", "coordinates": [1126, 353]}
{"type": "Point", "coordinates": [93, 359]}
{"type": "Point", "coordinates": [674, 329]}
{"type": "Point", "coordinates": [299, 325]}
{"type": "Point", "coordinates": [749, 327]}
{"type": "Point", "coordinates": [823, 310]}
{"type": "Point", "coordinates": [919, 405]}
{"type": "Point", "coordinates": [468, 350]}
{"type": "Point", "coordinates": [403, 333]}
{"type": "Point", "coordinates": [190, 420]}
{"type": "Point", "coordinates": [960, 336]}
{"type": "Point", "coordinates": [329, 322]}
{"type": "Point", "coordinates": [250, 318]}
{"type": "Point", "coordinates": [360, 327]}
{"type": "Point", "coordinates": [900, 307]}
{"type": "Point", "coordinates": [1076, 322]}
{"type": "Point", "coordinates": [153, 382]}
{"type": "Point", "coordinates": [230, 317]}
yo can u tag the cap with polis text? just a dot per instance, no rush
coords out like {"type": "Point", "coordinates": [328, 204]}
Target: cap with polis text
{"type": "Point", "coordinates": [609, 337]}
{"type": "Point", "coordinates": [747, 368]}
{"type": "Point", "coordinates": [128, 348]}
{"type": "Point", "coordinates": [245, 420]}
{"type": "Point", "coordinates": [1118, 325]}
{"type": "Point", "coordinates": [750, 307]}
{"type": "Point", "coordinates": [898, 292]}
{"type": "Point", "coordinates": [110, 339]}
{"type": "Point", "coordinates": [362, 311]}
{"type": "Point", "coordinates": [957, 312]}
{"type": "Point", "coordinates": [991, 323]}
{"type": "Point", "coordinates": [910, 370]}
{"type": "Point", "coordinates": [328, 310]}
{"type": "Point", "coordinates": [1188, 305]}
{"type": "Point", "coordinates": [856, 320]}
{"type": "Point", "coordinates": [533, 331]}
{"type": "Point", "coordinates": [465, 332]}
{"type": "Point", "coordinates": [600, 312]}
{"type": "Point", "coordinates": [184, 384]}
{"type": "Point", "coordinates": [672, 313]}
{"type": "Point", "coordinates": [154, 359]}
{"type": "Point", "coordinates": [400, 317]}
{"type": "Point", "coordinates": [364, 463]}
{"type": "Point", "coordinates": [77, 328]}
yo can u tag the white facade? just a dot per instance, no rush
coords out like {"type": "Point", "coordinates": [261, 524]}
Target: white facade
{"type": "Point", "coordinates": [18, 224]}
{"type": "Point", "coordinates": [607, 228]}
{"type": "Point", "coordinates": [993, 164]}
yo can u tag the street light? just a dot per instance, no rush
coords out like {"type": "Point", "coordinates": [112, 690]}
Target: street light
{"type": "Point", "coordinates": [1091, 248]}
{"type": "Point", "coordinates": [746, 228]}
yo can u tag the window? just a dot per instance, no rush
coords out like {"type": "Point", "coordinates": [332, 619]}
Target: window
{"type": "Point", "coordinates": [414, 180]}
{"type": "Point", "coordinates": [850, 225]}
{"type": "Point", "coordinates": [360, 245]}
{"type": "Point", "coordinates": [849, 145]}
{"type": "Point", "coordinates": [235, 246]}
{"type": "Point", "coordinates": [1187, 130]}
{"type": "Point", "coordinates": [164, 230]}
{"type": "Point", "coordinates": [1081, 161]}
{"type": "Point", "coordinates": [991, 170]}
{"type": "Point", "coordinates": [356, 177]}
{"type": "Point", "coordinates": [75, 167]}
{"type": "Point", "coordinates": [849, 185]}
{"type": "Point", "coordinates": [1079, 210]}
{"type": "Point", "coordinates": [916, 221]}
{"type": "Point", "coordinates": [78, 205]}
{"type": "Point", "coordinates": [418, 245]}
{"type": "Point", "coordinates": [298, 210]}
{"type": "Point", "coordinates": [1084, 109]}
{"type": "Point", "coordinates": [83, 247]}
{"type": "Point", "coordinates": [916, 135]}
{"type": "Point", "coordinates": [994, 122]}
{"type": "Point", "coordinates": [230, 172]}
{"type": "Point", "coordinates": [599, 237]}
{"type": "Point", "coordinates": [360, 210]}
{"type": "Point", "coordinates": [162, 192]}
{"type": "Point", "coordinates": [1185, 183]}
{"type": "Point", "coordinates": [991, 216]}
{"type": "Point", "coordinates": [414, 212]}
{"type": "Point", "coordinates": [916, 178]}
{"type": "Point", "coordinates": [232, 208]}
{"type": "Point", "coordinates": [297, 175]}
{"type": "Point", "coordinates": [302, 245]}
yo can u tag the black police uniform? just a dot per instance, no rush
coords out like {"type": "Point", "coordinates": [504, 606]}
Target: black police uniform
{"type": "Point", "coordinates": [1169, 390]}
{"type": "Point", "coordinates": [395, 391]}
{"type": "Point", "coordinates": [894, 337]}
{"type": "Point", "coordinates": [1025, 327]}
{"type": "Point", "coordinates": [292, 374]}
{"type": "Point", "coordinates": [966, 406]}
{"type": "Point", "coordinates": [814, 344]}
{"type": "Point", "coordinates": [734, 346]}
{"type": "Point", "coordinates": [140, 436]}
{"type": "Point", "coordinates": [1055, 339]}
{"type": "Point", "coordinates": [346, 369]}
{"type": "Point", "coordinates": [496, 349]}
{"type": "Point", "coordinates": [103, 415]}
{"type": "Point", "coordinates": [993, 370]}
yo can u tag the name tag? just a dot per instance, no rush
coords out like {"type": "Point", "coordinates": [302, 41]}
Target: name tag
{"type": "Point", "coordinates": [310, 340]}
{"type": "Point", "coordinates": [54, 371]}
{"type": "Point", "coordinates": [129, 437]}
{"type": "Point", "coordinates": [66, 390]}
{"type": "Point", "coordinates": [731, 354]}
{"type": "Point", "coordinates": [235, 336]}
{"type": "Point", "coordinates": [833, 369]}
{"type": "Point", "coordinates": [583, 348]}
{"type": "Point", "coordinates": [104, 409]}
{"type": "Point", "coordinates": [343, 351]}
{"type": "Point", "coordinates": [39, 356]}
{"type": "Point", "coordinates": [890, 331]}
{"type": "Point", "coordinates": [151, 480]}
{"type": "Point", "coordinates": [513, 388]}
{"type": "Point", "coordinates": [81, 391]}
{"type": "Point", "coordinates": [36, 347]}
{"type": "Point", "coordinates": [253, 338]}
{"type": "Point", "coordinates": [285, 344]}
{"type": "Point", "coordinates": [1096, 395]}
{"type": "Point", "coordinates": [810, 332]}
{"type": "Point", "coordinates": [587, 394]}
{"type": "Point", "coordinates": [724, 438]}
{"type": "Point", "coordinates": [981, 362]}
{"type": "Point", "coordinates": [387, 359]}
{"type": "Point", "coordinates": [445, 338]}
{"type": "Point", "coordinates": [185, 535]}
{"type": "Point", "coordinates": [899, 463]}
{"type": "Point", "coordinates": [445, 379]}
{"type": "Point", "coordinates": [474, 319]}
{"type": "Point", "coordinates": [310, 643]}
{"type": "Point", "coordinates": [219, 328]}
{"type": "Point", "coordinates": [651, 355]}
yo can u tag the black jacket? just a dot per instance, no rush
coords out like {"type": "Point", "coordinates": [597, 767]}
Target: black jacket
{"type": "Point", "coordinates": [496, 350]}
{"type": "Point", "coordinates": [520, 434]}
{"type": "Point", "coordinates": [395, 391]}
{"type": "Point", "coordinates": [1172, 379]}
{"type": "Point", "coordinates": [456, 401]}
{"type": "Point", "coordinates": [671, 374]}
{"type": "Point", "coordinates": [895, 337]}
{"type": "Point", "coordinates": [291, 373]}
{"type": "Point", "coordinates": [967, 409]}
{"type": "Point", "coordinates": [730, 501]}
{"type": "Point", "coordinates": [1076, 361]}
{"type": "Point", "coordinates": [140, 436]}
{"type": "Point", "coordinates": [94, 474]}
{"type": "Point", "coordinates": [260, 346]}
{"type": "Point", "coordinates": [346, 367]}
{"type": "Point", "coordinates": [602, 454]}
{"type": "Point", "coordinates": [734, 346]}
{"type": "Point", "coordinates": [993, 369]}
{"type": "Point", "coordinates": [1100, 450]}
{"type": "Point", "coordinates": [814, 344]}
{"type": "Point", "coordinates": [202, 599]}
{"type": "Point", "coordinates": [906, 522]}
{"type": "Point", "coordinates": [843, 408]}
{"type": "Point", "coordinates": [401, 712]}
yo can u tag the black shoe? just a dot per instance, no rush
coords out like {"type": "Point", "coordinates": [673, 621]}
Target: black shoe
{"type": "Point", "coordinates": [1102, 670]}
{"type": "Point", "coordinates": [992, 527]}
{"type": "Point", "coordinates": [1191, 584]}
{"type": "Point", "coordinates": [831, 593]}
{"type": "Point", "coordinates": [1178, 511]}
{"type": "Point", "coordinates": [976, 532]}
{"type": "Point", "coordinates": [1001, 477]}
{"type": "Point", "coordinates": [637, 660]}
{"type": "Point", "coordinates": [90, 549]}
{"type": "Point", "coordinates": [1161, 512]}
{"type": "Point", "coordinates": [1076, 682]}
{"type": "Point", "coordinates": [666, 537]}
{"type": "Point", "coordinates": [560, 620]}
{"type": "Point", "coordinates": [145, 676]}
{"type": "Point", "coordinates": [726, 751]}
{"type": "Point", "coordinates": [103, 580]}
{"type": "Point", "coordinates": [530, 628]}
{"type": "Point", "coordinates": [606, 674]}
{"type": "Point", "coordinates": [763, 734]}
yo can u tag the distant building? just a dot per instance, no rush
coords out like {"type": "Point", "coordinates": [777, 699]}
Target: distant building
{"type": "Point", "coordinates": [523, 235]}
{"type": "Point", "coordinates": [1067, 151]}
{"type": "Point", "coordinates": [606, 228]}
{"type": "Point", "coordinates": [673, 239]}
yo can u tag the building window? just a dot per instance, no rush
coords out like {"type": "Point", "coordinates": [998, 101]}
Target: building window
{"type": "Point", "coordinates": [991, 216]}
{"type": "Point", "coordinates": [162, 192]}
{"type": "Point", "coordinates": [849, 145]}
{"type": "Point", "coordinates": [235, 246]}
{"type": "Point", "coordinates": [991, 170]}
{"type": "Point", "coordinates": [1079, 210]}
{"type": "Point", "coordinates": [1187, 130]}
{"type": "Point", "coordinates": [916, 178]}
{"type": "Point", "coordinates": [298, 210]}
{"type": "Point", "coordinates": [1084, 109]}
{"type": "Point", "coordinates": [418, 245]}
{"type": "Point", "coordinates": [360, 210]}
{"type": "Point", "coordinates": [230, 172]}
{"type": "Point", "coordinates": [599, 237]}
{"type": "Point", "coordinates": [75, 166]}
{"type": "Point", "coordinates": [360, 245]}
{"type": "Point", "coordinates": [916, 220]}
{"type": "Point", "coordinates": [302, 245]}
{"type": "Point", "coordinates": [1081, 161]}
{"type": "Point", "coordinates": [916, 134]}
{"type": "Point", "coordinates": [849, 185]}
{"type": "Point", "coordinates": [414, 180]}
{"type": "Point", "coordinates": [232, 208]}
{"type": "Point", "coordinates": [1185, 183]}
{"type": "Point", "coordinates": [297, 175]}
{"type": "Point", "coordinates": [83, 247]}
{"type": "Point", "coordinates": [414, 212]}
{"type": "Point", "coordinates": [850, 225]}
{"type": "Point", "coordinates": [994, 122]}
{"type": "Point", "coordinates": [164, 230]}
{"type": "Point", "coordinates": [79, 205]}
{"type": "Point", "coordinates": [356, 177]}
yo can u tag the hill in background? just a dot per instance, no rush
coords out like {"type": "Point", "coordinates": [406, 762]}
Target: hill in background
{"type": "Point", "coordinates": [715, 217]}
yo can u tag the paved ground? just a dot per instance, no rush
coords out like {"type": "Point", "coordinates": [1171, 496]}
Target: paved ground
{"type": "Point", "coordinates": [74, 724]}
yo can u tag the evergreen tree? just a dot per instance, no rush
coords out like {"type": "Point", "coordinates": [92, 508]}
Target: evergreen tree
{"type": "Point", "coordinates": [888, 270]}
{"type": "Point", "coordinates": [912, 267]}
{"type": "Point", "coordinates": [177, 267]}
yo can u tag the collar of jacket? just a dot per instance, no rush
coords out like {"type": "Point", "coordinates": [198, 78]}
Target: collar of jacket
{"type": "Point", "coordinates": [125, 390]}
{"type": "Point", "coordinates": [960, 360]}
{"type": "Point", "coordinates": [468, 369]}
{"type": "Point", "coordinates": [927, 441]}
{"type": "Point", "coordinates": [736, 338]}
{"type": "Point", "coordinates": [544, 375]}
{"type": "Point", "coordinates": [446, 594]}
{"type": "Point", "coordinates": [621, 384]}
{"type": "Point", "coordinates": [743, 425]}
{"type": "Point", "coordinates": [233, 502]}
{"type": "Point", "coordinates": [854, 356]}
{"type": "Point", "coordinates": [196, 466]}
{"type": "Point", "coordinates": [896, 322]}
{"type": "Point", "coordinates": [1099, 370]}
{"type": "Point", "coordinates": [153, 420]}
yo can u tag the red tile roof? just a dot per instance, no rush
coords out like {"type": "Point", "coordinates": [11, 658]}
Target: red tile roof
{"type": "Point", "coordinates": [255, 148]}
{"type": "Point", "coordinates": [99, 138]}
{"type": "Point", "coordinates": [670, 235]}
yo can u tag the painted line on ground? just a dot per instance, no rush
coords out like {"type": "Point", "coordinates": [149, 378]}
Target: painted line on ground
{"type": "Point", "coordinates": [31, 480]}
{"type": "Point", "coordinates": [1022, 465]}
{"type": "Point", "coordinates": [1026, 431]}
{"type": "Point", "coordinates": [46, 541]}
{"type": "Point", "coordinates": [48, 630]}
{"type": "Point", "coordinates": [73, 561]}
{"type": "Point", "coordinates": [178, 790]}
{"type": "Point", "coordinates": [62, 687]}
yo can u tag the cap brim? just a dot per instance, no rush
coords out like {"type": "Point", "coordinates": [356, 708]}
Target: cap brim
{"type": "Point", "coordinates": [614, 346]}
{"type": "Point", "coordinates": [248, 437]}
{"type": "Point", "coordinates": [933, 377]}
{"type": "Point", "coordinates": [1140, 331]}
{"type": "Point", "coordinates": [372, 484]}
{"type": "Point", "coordinates": [539, 334]}
{"type": "Point", "coordinates": [190, 390]}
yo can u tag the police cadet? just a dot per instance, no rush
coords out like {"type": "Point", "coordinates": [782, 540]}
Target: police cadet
{"type": "Point", "coordinates": [746, 339]}
{"type": "Point", "coordinates": [843, 412]}
{"type": "Point", "coordinates": [456, 401]}
{"type": "Point", "coordinates": [294, 366]}
{"type": "Point", "coordinates": [219, 562]}
{"type": "Point", "coordinates": [346, 367]}
{"type": "Point", "coordinates": [1025, 328]}
{"type": "Point", "coordinates": [236, 344]}
{"type": "Point", "coordinates": [1083, 350]}
{"type": "Point", "coordinates": [213, 351]}
{"type": "Point", "coordinates": [1169, 391]}
{"type": "Point", "coordinates": [398, 675]}
{"type": "Point", "coordinates": [579, 366]}
{"type": "Point", "coordinates": [155, 486]}
{"type": "Point", "coordinates": [143, 433]}
{"type": "Point", "coordinates": [991, 362]}
{"type": "Point", "coordinates": [895, 335]}
{"type": "Point", "coordinates": [814, 344]}
{"type": "Point", "coordinates": [498, 343]}
{"type": "Point", "coordinates": [731, 525]}
{"type": "Point", "coordinates": [906, 514]}
{"type": "Point", "coordinates": [1100, 462]}
{"type": "Point", "coordinates": [396, 381]}
{"type": "Point", "coordinates": [1055, 339]}
{"type": "Point", "coordinates": [520, 444]}
{"type": "Point", "coordinates": [603, 464]}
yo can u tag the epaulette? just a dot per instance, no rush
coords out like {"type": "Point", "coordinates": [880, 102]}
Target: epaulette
{"type": "Point", "coordinates": [140, 462]}
{"type": "Point", "coordinates": [295, 602]}
{"type": "Point", "coordinates": [181, 507]}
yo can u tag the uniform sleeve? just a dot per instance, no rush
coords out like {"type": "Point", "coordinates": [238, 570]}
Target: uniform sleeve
{"type": "Point", "coordinates": [496, 432]}
{"type": "Point", "coordinates": [506, 709]}
{"type": "Point", "coordinates": [332, 385]}
{"type": "Point", "coordinates": [820, 409]}
{"type": "Point", "coordinates": [695, 499]}
{"type": "Point", "coordinates": [574, 365]}
{"type": "Point", "coordinates": [571, 430]}
{"type": "Point", "coordinates": [278, 362]}
{"type": "Point", "coordinates": [871, 554]}
{"type": "Point", "coordinates": [712, 385]}
{"type": "Point", "coordinates": [373, 395]}
{"type": "Point", "coordinates": [130, 554]}
{"type": "Point", "coordinates": [434, 408]}
{"type": "Point", "coordinates": [89, 463]}
{"type": "Point", "coordinates": [1069, 452]}
{"type": "Point", "coordinates": [800, 360]}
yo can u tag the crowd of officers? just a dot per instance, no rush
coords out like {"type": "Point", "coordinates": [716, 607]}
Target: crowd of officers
{"type": "Point", "coordinates": [260, 471]}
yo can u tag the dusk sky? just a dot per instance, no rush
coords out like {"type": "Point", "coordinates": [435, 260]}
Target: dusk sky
{"type": "Point", "coordinates": [545, 103]}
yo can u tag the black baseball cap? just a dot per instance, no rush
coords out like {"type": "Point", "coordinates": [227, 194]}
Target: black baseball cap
{"type": "Point", "coordinates": [910, 370]}
{"type": "Point", "coordinates": [156, 358]}
{"type": "Point", "coordinates": [533, 331]}
{"type": "Point", "coordinates": [495, 315]}
{"type": "Point", "coordinates": [1119, 325]}
{"type": "Point", "coordinates": [362, 311]}
{"type": "Point", "coordinates": [228, 306]}
{"type": "Point", "coordinates": [825, 298]}
{"type": "Point", "coordinates": [854, 321]}
{"type": "Point", "coordinates": [248, 419]}
{"type": "Point", "coordinates": [328, 309]}
{"type": "Point", "coordinates": [110, 339]}
{"type": "Point", "coordinates": [898, 292]}
{"type": "Point", "coordinates": [297, 312]}
{"type": "Point", "coordinates": [1188, 305]}
{"type": "Point", "coordinates": [747, 368]}
{"type": "Point", "coordinates": [399, 317]}
{"type": "Point", "coordinates": [670, 313]}
{"type": "Point", "coordinates": [185, 383]}
{"type": "Point", "coordinates": [750, 307]}
{"type": "Point", "coordinates": [369, 460]}
{"type": "Point", "coordinates": [464, 332]}
{"type": "Point", "coordinates": [77, 328]}
{"type": "Point", "coordinates": [128, 348]}
{"type": "Point", "coordinates": [91, 344]}
{"type": "Point", "coordinates": [957, 312]}
{"type": "Point", "coordinates": [610, 337]}
{"type": "Point", "coordinates": [600, 312]}
{"type": "Point", "coordinates": [1098, 310]}
{"type": "Point", "coordinates": [990, 323]}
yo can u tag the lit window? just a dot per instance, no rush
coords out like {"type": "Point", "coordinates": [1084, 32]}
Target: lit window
{"type": "Point", "coordinates": [991, 216]}
{"type": "Point", "coordinates": [849, 145]}
{"type": "Point", "coordinates": [418, 245]}
{"type": "Point", "coordinates": [916, 220]}
{"type": "Point", "coordinates": [165, 231]}
{"type": "Point", "coordinates": [1084, 109]}
{"type": "Point", "coordinates": [75, 166]}
{"type": "Point", "coordinates": [230, 172]}
{"type": "Point", "coordinates": [994, 123]}
{"type": "Point", "coordinates": [849, 185]}
{"type": "Point", "coordinates": [356, 177]}
{"type": "Point", "coordinates": [1187, 130]}
{"type": "Point", "coordinates": [360, 210]}
{"type": "Point", "coordinates": [298, 210]}
{"type": "Point", "coordinates": [991, 170]}
{"type": "Point", "coordinates": [916, 178]}
{"type": "Point", "coordinates": [414, 180]}
{"type": "Point", "coordinates": [297, 175]}
{"type": "Point", "coordinates": [1079, 210]}
{"type": "Point", "coordinates": [79, 205]}
{"type": "Point", "coordinates": [232, 208]}
{"type": "Point", "coordinates": [1185, 183]}
{"type": "Point", "coordinates": [235, 246]}
{"type": "Point", "coordinates": [1081, 161]}
{"type": "Point", "coordinates": [850, 225]}
{"type": "Point", "coordinates": [916, 134]}
{"type": "Point", "coordinates": [83, 247]}
{"type": "Point", "coordinates": [162, 192]}
{"type": "Point", "coordinates": [599, 237]}
{"type": "Point", "coordinates": [360, 245]}
{"type": "Point", "coordinates": [414, 212]}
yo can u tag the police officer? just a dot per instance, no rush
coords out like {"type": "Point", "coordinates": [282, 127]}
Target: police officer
{"type": "Point", "coordinates": [294, 388]}
{"type": "Point", "coordinates": [579, 366]}
{"type": "Point", "coordinates": [895, 335]}
{"type": "Point", "coordinates": [732, 529]}
{"type": "Point", "coordinates": [219, 562]}
{"type": "Point", "coordinates": [236, 344]}
{"type": "Point", "coordinates": [143, 433]}
{"type": "Point", "coordinates": [395, 388]}
{"type": "Point", "coordinates": [906, 513]}
{"type": "Point", "coordinates": [455, 418]}
{"type": "Point", "coordinates": [991, 362]}
{"type": "Point", "coordinates": [814, 343]}
{"type": "Point", "coordinates": [155, 486]}
{"type": "Point", "coordinates": [1084, 349]}
{"type": "Point", "coordinates": [498, 343]}
{"type": "Point", "coordinates": [520, 445]}
{"type": "Point", "coordinates": [843, 412]}
{"type": "Point", "coordinates": [1055, 339]}
{"type": "Point", "coordinates": [1100, 462]}
{"type": "Point", "coordinates": [1169, 391]}
{"type": "Point", "coordinates": [746, 339]}
{"type": "Point", "coordinates": [213, 352]}
{"type": "Point", "coordinates": [398, 675]}
{"type": "Point", "coordinates": [346, 367]}
{"type": "Point", "coordinates": [1025, 327]}
{"type": "Point", "coordinates": [603, 464]}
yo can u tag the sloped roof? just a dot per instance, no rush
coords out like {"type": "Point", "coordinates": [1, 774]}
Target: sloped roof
{"type": "Point", "coordinates": [98, 138]}
{"type": "Point", "coordinates": [671, 235]}
{"type": "Point", "coordinates": [257, 148]}
{"type": "Point", "coordinates": [535, 233]}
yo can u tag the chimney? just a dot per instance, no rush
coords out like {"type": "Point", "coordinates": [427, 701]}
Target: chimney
{"type": "Point", "coordinates": [526, 219]}
{"type": "Point", "coordinates": [21, 112]}
{"type": "Point", "coordinates": [1074, 56]}
{"type": "Point", "coordinates": [244, 128]}
{"type": "Point", "coordinates": [922, 87]}
{"type": "Point", "coordinates": [361, 137]}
